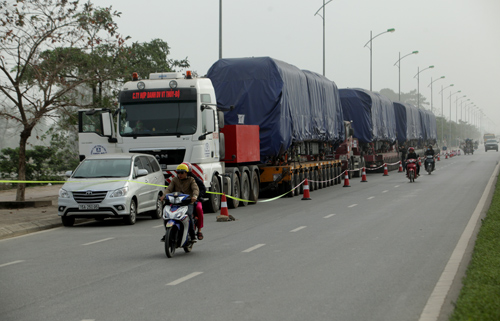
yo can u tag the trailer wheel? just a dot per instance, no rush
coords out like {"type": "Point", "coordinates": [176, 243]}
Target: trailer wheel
{"type": "Point", "coordinates": [301, 187]}
{"type": "Point", "coordinates": [296, 181]}
{"type": "Point", "coordinates": [315, 179]}
{"type": "Point", "coordinates": [254, 187]}
{"type": "Point", "coordinates": [213, 203]}
{"type": "Point", "coordinates": [245, 188]}
{"type": "Point", "coordinates": [235, 180]}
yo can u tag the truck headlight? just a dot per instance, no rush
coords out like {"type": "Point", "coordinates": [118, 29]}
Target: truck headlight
{"type": "Point", "coordinates": [64, 193]}
{"type": "Point", "coordinates": [119, 192]}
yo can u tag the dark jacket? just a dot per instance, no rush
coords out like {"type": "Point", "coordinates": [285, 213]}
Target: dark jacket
{"type": "Point", "coordinates": [412, 156]}
{"type": "Point", "coordinates": [430, 152]}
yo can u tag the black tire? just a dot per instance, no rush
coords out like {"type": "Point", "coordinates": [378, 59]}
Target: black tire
{"type": "Point", "coordinates": [254, 187]}
{"type": "Point", "coordinates": [296, 182]}
{"type": "Point", "coordinates": [213, 203]}
{"type": "Point", "coordinates": [301, 187]}
{"type": "Point", "coordinates": [245, 188]}
{"type": "Point", "coordinates": [321, 178]}
{"type": "Point", "coordinates": [131, 218]}
{"type": "Point", "coordinates": [412, 177]}
{"type": "Point", "coordinates": [236, 191]}
{"type": "Point", "coordinates": [157, 213]}
{"type": "Point", "coordinates": [188, 248]}
{"type": "Point", "coordinates": [68, 221]}
{"type": "Point", "coordinates": [315, 180]}
{"type": "Point", "coordinates": [170, 241]}
{"type": "Point", "coordinates": [288, 187]}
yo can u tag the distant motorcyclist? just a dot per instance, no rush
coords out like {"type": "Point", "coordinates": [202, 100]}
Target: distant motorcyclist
{"type": "Point", "coordinates": [431, 152]}
{"type": "Point", "coordinates": [413, 155]}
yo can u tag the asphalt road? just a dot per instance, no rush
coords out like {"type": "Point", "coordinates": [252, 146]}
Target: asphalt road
{"type": "Point", "coordinates": [373, 251]}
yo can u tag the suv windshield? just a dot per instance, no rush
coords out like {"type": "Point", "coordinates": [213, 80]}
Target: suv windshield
{"type": "Point", "coordinates": [92, 168]}
{"type": "Point", "coordinates": [158, 119]}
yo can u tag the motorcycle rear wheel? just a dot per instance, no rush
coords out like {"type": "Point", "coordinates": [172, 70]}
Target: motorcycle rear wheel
{"type": "Point", "coordinates": [188, 248]}
{"type": "Point", "coordinates": [412, 176]}
{"type": "Point", "coordinates": [170, 242]}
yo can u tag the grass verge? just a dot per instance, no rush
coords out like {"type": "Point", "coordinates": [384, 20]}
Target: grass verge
{"type": "Point", "coordinates": [479, 298]}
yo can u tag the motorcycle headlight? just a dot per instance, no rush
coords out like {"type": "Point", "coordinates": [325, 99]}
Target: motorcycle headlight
{"type": "Point", "coordinates": [64, 193]}
{"type": "Point", "coordinates": [119, 192]}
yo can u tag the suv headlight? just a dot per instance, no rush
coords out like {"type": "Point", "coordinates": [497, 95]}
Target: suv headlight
{"type": "Point", "coordinates": [64, 193]}
{"type": "Point", "coordinates": [119, 192]}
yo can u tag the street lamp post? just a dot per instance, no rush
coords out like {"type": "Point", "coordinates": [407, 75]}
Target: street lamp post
{"type": "Point", "coordinates": [456, 115]}
{"type": "Point", "coordinates": [442, 77]}
{"type": "Point", "coordinates": [398, 63]}
{"type": "Point", "coordinates": [220, 29]}
{"type": "Point", "coordinates": [442, 112]}
{"type": "Point", "coordinates": [370, 47]}
{"type": "Point", "coordinates": [450, 111]}
{"type": "Point", "coordinates": [418, 83]}
{"type": "Point", "coordinates": [323, 17]}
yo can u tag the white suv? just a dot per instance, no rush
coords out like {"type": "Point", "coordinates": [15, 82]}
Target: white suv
{"type": "Point", "coordinates": [112, 185]}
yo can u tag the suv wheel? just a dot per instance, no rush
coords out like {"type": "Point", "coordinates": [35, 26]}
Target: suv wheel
{"type": "Point", "coordinates": [156, 214]}
{"type": "Point", "coordinates": [131, 218]}
{"type": "Point", "coordinates": [67, 220]}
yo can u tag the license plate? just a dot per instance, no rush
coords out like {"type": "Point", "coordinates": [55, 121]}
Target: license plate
{"type": "Point", "coordinates": [88, 206]}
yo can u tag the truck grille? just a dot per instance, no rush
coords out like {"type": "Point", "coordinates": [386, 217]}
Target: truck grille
{"type": "Point", "coordinates": [164, 156]}
{"type": "Point", "coordinates": [93, 197]}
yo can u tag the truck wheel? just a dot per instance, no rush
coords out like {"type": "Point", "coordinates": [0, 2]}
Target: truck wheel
{"type": "Point", "coordinates": [254, 187]}
{"type": "Point", "coordinates": [236, 192]}
{"type": "Point", "coordinates": [296, 181]}
{"type": "Point", "coordinates": [301, 187]}
{"type": "Point", "coordinates": [213, 204]}
{"type": "Point", "coordinates": [245, 188]}
{"type": "Point", "coordinates": [315, 180]}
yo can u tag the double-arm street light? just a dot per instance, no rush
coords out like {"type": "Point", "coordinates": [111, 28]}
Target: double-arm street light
{"type": "Point", "coordinates": [398, 63]}
{"type": "Point", "coordinates": [442, 112]}
{"type": "Point", "coordinates": [418, 83]}
{"type": "Point", "coordinates": [370, 47]}
{"type": "Point", "coordinates": [442, 77]}
{"type": "Point", "coordinates": [451, 94]}
{"type": "Point", "coordinates": [456, 115]}
{"type": "Point", "coordinates": [323, 17]}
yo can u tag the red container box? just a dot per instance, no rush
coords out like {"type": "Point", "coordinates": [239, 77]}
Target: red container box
{"type": "Point", "coordinates": [242, 143]}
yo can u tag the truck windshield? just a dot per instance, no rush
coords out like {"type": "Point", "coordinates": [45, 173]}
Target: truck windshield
{"type": "Point", "coordinates": [158, 119]}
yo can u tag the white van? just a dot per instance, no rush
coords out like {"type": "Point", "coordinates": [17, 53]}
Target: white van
{"type": "Point", "coordinates": [112, 186]}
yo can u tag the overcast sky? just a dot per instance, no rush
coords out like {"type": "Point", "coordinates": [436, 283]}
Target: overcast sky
{"type": "Point", "coordinates": [461, 38]}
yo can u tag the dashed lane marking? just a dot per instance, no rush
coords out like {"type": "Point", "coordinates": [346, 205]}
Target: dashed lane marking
{"type": "Point", "coordinates": [385, 191]}
{"type": "Point", "coordinates": [10, 263]}
{"type": "Point", "coordinates": [99, 241]}
{"type": "Point", "coordinates": [253, 248]}
{"type": "Point", "coordinates": [352, 205]}
{"type": "Point", "coordinates": [298, 228]}
{"type": "Point", "coordinates": [187, 277]}
{"type": "Point", "coordinates": [371, 197]}
{"type": "Point", "coordinates": [328, 216]}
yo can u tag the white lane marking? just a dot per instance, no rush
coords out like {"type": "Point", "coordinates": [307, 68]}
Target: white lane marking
{"type": "Point", "coordinates": [438, 295]}
{"type": "Point", "coordinates": [371, 197]}
{"type": "Point", "coordinates": [10, 263]}
{"type": "Point", "coordinates": [298, 229]}
{"type": "Point", "coordinates": [157, 226]}
{"type": "Point", "coordinates": [352, 205]}
{"type": "Point", "coordinates": [99, 241]}
{"type": "Point", "coordinates": [396, 186]}
{"type": "Point", "coordinates": [187, 277]}
{"type": "Point", "coordinates": [328, 216]}
{"type": "Point", "coordinates": [385, 191]}
{"type": "Point", "coordinates": [253, 248]}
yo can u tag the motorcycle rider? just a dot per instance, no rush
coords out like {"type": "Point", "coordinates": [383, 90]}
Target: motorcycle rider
{"type": "Point", "coordinates": [198, 212]}
{"type": "Point", "coordinates": [413, 155]}
{"type": "Point", "coordinates": [431, 152]}
{"type": "Point", "coordinates": [185, 185]}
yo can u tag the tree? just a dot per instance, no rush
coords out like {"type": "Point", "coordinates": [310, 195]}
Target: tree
{"type": "Point", "coordinates": [408, 98]}
{"type": "Point", "coordinates": [41, 45]}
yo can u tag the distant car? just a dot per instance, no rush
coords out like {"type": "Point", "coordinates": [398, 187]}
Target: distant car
{"type": "Point", "coordinates": [112, 185]}
{"type": "Point", "coordinates": [491, 144]}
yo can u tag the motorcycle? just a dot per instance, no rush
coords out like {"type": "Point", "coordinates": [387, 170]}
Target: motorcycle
{"type": "Point", "coordinates": [411, 169]}
{"type": "Point", "coordinates": [177, 223]}
{"type": "Point", "coordinates": [429, 164]}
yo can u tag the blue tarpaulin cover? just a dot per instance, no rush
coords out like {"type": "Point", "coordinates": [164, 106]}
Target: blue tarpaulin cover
{"type": "Point", "coordinates": [407, 122]}
{"type": "Point", "coordinates": [290, 105]}
{"type": "Point", "coordinates": [372, 115]}
{"type": "Point", "coordinates": [428, 125]}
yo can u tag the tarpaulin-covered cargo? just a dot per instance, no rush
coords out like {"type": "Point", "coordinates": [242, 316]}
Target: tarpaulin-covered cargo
{"type": "Point", "coordinates": [289, 105]}
{"type": "Point", "coordinates": [429, 128]}
{"type": "Point", "coordinates": [372, 115]}
{"type": "Point", "coordinates": [408, 122]}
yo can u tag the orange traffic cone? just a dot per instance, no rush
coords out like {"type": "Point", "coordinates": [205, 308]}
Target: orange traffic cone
{"type": "Point", "coordinates": [400, 167]}
{"type": "Point", "coordinates": [346, 179]}
{"type": "Point", "coordinates": [386, 171]}
{"type": "Point", "coordinates": [224, 214]}
{"type": "Point", "coordinates": [439, 158]}
{"type": "Point", "coordinates": [446, 157]}
{"type": "Point", "coordinates": [363, 176]}
{"type": "Point", "coordinates": [306, 196]}
{"type": "Point", "coordinates": [419, 162]}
